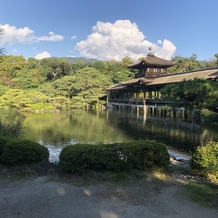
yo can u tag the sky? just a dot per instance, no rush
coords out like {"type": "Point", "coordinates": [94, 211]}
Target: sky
{"type": "Point", "coordinates": [109, 29]}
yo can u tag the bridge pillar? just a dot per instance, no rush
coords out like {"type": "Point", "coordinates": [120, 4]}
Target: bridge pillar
{"type": "Point", "coordinates": [137, 111]}
{"type": "Point", "coordinates": [145, 109]}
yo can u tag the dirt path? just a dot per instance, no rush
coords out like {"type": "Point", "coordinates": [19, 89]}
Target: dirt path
{"type": "Point", "coordinates": [41, 198]}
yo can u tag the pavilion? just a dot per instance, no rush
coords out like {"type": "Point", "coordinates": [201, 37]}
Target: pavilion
{"type": "Point", "coordinates": [150, 77]}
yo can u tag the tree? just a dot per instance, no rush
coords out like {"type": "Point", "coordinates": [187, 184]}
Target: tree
{"type": "Point", "coordinates": [90, 85]}
{"type": "Point", "coordinates": [65, 87]}
{"type": "Point", "coordinates": [185, 64]}
{"type": "Point", "coordinates": [55, 68]}
{"type": "Point", "coordinates": [11, 65]}
{"type": "Point", "coordinates": [25, 80]}
{"type": "Point", "coordinates": [122, 76]}
{"type": "Point", "coordinates": [199, 93]}
{"type": "Point", "coordinates": [99, 65]}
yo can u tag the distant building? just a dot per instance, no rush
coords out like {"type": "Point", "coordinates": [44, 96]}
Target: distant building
{"type": "Point", "coordinates": [150, 77]}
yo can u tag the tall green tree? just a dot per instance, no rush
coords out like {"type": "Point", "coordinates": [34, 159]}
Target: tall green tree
{"type": "Point", "coordinates": [199, 93]}
{"type": "Point", "coordinates": [65, 87]}
{"type": "Point", "coordinates": [11, 65]}
{"type": "Point", "coordinates": [55, 68]}
{"type": "Point", "coordinates": [185, 64]}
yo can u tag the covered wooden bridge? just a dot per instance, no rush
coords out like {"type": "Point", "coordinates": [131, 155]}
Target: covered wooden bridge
{"type": "Point", "coordinates": [144, 89]}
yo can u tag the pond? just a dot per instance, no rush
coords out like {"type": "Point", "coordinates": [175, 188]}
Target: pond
{"type": "Point", "coordinates": [56, 130]}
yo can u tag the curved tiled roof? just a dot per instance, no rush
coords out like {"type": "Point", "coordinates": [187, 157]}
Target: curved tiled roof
{"type": "Point", "coordinates": [210, 73]}
{"type": "Point", "coordinates": [152, 61]}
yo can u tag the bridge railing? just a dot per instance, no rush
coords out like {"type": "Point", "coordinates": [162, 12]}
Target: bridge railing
{"type": "Point", "coordinates": [140, 101]}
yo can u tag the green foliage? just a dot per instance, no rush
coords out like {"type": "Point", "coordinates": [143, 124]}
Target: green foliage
{"type": "Point", "coordinates": [3, 141]}
{"type": "Point", "coordinates": [142, 155]}
{"type": "Point", "coordinates": [12, 128]}
{"type": "Point", "coordinates": [25, 80]}
{"type": "Point", "coordinates": [205, 159]}
{"type": "Point", "coordinates": [210, 117]}
{"type": "Point", "coordinates": [3, 89]}
{"type": "Point", "coordinates": [122, 76]}
{"type": "Point", "coordinates": [78, 85]}
{"type": "Point", "coordinates": [17, 151]}
{"type": "Point", "coordinates": [185, 64]}
{"type": "Point", "coordinates": [65, 86]}
{"type": "Point", "coordinates": [205, 194]}
{"type": "Point", "coordinates": [12, 64]}
{"type": "Point", "coordinates": [199, 93]}
{"type": "Point", "coordinates": [55, 68]}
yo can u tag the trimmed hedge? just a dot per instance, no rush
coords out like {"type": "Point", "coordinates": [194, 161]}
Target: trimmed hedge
{"type": "Point", "coordinates": [20, 151]}
{"type": "Point", "coordinates": [205, 158]}
{"type": "Point", "coordinates": [142, 155]}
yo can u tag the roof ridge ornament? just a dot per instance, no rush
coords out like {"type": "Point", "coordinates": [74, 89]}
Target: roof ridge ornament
{"type": "Point", "coordinates": [150, 53]}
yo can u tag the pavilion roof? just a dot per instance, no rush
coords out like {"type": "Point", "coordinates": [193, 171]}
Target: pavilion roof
{"type": "Point", "coordinates": [116, 86]}
{"type": "Point", "coordinates": [152, 61]}
{"type": "Point", "coordinates": [123, 85]}
{"type": "Point", "coordinates": [210, 73]}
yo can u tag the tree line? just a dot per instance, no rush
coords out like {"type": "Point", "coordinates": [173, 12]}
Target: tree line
{"type": "Point", "coordinates": [55, 83]}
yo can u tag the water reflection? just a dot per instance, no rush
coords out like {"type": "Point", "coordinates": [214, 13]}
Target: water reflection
{"type": "Point", "coordinates": [57, 130]}
{"type": "Point", "coordinates": [176, 133]}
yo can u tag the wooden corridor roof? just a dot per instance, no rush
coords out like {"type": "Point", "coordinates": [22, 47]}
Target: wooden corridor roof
{"type": "Point", "coordinates": [123, 85]}
{"type": "Point", "coordinates": [211, 73]}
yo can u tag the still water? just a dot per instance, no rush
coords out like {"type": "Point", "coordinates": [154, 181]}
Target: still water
{"type": "Point", "coordinates": [57, 130]}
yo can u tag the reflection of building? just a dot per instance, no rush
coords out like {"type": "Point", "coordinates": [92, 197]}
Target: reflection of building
{"type": "Point", "coordinates": [150, 77]}
{"type": "Point", "coordinates": [176, 133]}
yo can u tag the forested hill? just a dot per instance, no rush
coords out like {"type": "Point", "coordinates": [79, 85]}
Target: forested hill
{"type": "Point", "coordinates": [73, 60]}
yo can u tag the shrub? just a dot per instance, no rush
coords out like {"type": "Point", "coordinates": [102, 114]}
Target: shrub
{"type": "Point", "coordinates": [14, 128]}
{"type": "Point", "coordinates": [142, 155]}
{"type": "Point", "coordinates": [205, 158]}
{"type": "Point", "coordinates": [3, 141]}
{"type": "Point", "coordinates": [23, 152]}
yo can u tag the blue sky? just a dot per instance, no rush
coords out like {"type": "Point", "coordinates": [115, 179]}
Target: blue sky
{"type": "Point", "coordinates": [109, 29]}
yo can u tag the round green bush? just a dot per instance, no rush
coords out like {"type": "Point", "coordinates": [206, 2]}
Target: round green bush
{"type": "Point", "coordinates": [205, 158]}
{"type": "Point", "coordinates": [17, 151]}
{"type": "Point", "coordinates": [142, 155]}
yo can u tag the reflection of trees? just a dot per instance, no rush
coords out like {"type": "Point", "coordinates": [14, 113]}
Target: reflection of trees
{"type": "Point", "coordinates": [82, 126]}
{"type": "Point", "coordinates": [176, 133]}
{"type": "Point", "coordinates": [115, 126]}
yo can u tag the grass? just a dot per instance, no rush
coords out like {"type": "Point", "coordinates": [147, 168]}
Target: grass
{"type": "Point", "coordinates": [205, 194]}
{"type": "Point", "coordinates": [85, 178]}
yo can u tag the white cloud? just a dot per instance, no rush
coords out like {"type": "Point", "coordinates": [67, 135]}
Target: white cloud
{"type": "Point", "coordinates": [51, 37]}
{"type": "Point", "coordinates": [12, 35]}
{"type": "Point", "coordinates": [120, 39]}
{"type": "Point", "coordinates": [73, 37]}
{"type": "Point", "coordinates": [166, 50]}
{"type": "Point", "coordinates": [42, 55]}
